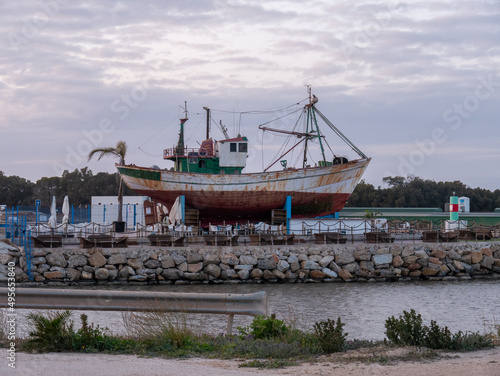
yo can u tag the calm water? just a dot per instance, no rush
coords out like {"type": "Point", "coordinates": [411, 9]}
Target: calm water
{"type": "Point", "coordinates": [363, 307]}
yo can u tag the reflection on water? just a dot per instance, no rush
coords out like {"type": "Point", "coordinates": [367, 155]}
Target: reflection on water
{"type": "Point", "coordinates": [363, 307]}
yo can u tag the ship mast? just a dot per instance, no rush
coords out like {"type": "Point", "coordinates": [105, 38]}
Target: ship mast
{"type": "Point", "coordinates": [208, 122]}
{"type": "Point", "coordinates": [180, 143]}
{"type": "Point", "coordinates": [311, 116]}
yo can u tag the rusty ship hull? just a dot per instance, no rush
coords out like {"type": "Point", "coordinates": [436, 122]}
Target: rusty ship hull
{"type": "Point", "coordinates": [315, 191]}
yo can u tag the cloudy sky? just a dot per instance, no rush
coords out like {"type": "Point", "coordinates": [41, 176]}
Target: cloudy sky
{"type": "Point", "coordinates": [415, 85]}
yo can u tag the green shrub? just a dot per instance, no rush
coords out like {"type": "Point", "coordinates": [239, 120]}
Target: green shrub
{"type": "Point", "coordinates": [265, 327]}
{"type": "Point", "coordinates": [53, 332]}
{"type": "Point", "coordinates": [438, 338]}
{"type": "Point", "coordinates": [470, 341]}
{"type": "Point", "coordinates": [89, 338]}
{"type": "Point", "coordinates": [408, 330]}
{"type": "Point", "coordinates": [330, 335]}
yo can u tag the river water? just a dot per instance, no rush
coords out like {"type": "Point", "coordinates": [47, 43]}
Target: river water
{"type": "Point", "coordinates": [471, 305]}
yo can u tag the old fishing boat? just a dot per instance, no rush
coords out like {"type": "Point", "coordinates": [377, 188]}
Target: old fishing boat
{"type": "Point", "coordinates": [212, 180]}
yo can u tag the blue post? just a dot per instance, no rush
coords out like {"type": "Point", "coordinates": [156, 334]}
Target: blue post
{"type": "Point", "coordinates": [288, 208]}
{"type": "Point", "coordinates": [135, 214]}
{"type": "Point", "coordinates": [89, 217]}
{"type": "Point", "coordinates": [24, 226]}
{"type": "Point", "coordinates": [29, 257]}
{"type": "Point", "coordinates": [11, 233]}
{"type": "Point", "coordinates": [183, 207]}
{"type": "Point", "coordinates": [126, 215]}
{"type": "Point", "coordinates": [72, 215]}
{"type": "Point", "coordinates": [103, 213]}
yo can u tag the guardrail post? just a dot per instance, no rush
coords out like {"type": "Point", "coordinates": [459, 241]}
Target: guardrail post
{"type": "Point", "coordinates": [229, 329]}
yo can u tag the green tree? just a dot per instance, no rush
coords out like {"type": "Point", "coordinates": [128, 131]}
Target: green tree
{"type": "Point", "coordinates": [120, 151]}
{"type": "Point", "coordinates": [15, 190]}
{"type": "Point", "coordinates": [364, 195]}
{"type": "Point", "coordinates": [47, 187]}
{"type": "Point", "coordinates": [75, 185]}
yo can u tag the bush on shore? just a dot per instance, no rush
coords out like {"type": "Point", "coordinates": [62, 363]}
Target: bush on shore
{"type": "Point", "coordinates": [408, 330]}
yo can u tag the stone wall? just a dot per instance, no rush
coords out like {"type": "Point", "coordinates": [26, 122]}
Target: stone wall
{"type": "Point", "coordinates": [253, 264]}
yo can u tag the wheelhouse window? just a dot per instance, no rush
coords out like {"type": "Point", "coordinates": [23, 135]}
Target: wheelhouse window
{"type": "Point", "coordinates": [232, 147]}
{"type": "Point", "coordinates": [243, 147]}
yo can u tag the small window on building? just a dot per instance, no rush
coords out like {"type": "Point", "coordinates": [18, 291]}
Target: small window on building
{"type": "Point", "coordinates": [232, 147]}
{"type": "Point", "coordinates": [243, 147]}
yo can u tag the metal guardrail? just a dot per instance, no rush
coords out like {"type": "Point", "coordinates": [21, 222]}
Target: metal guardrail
{"type": "Point", "coordinates": [254, 304]}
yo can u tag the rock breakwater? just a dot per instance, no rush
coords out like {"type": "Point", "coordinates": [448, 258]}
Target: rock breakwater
{"type": "Point", "coordinates": [247, 264]}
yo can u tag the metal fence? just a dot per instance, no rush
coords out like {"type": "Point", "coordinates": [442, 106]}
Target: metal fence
{"type": "Point", "coordinates": [20, 224]}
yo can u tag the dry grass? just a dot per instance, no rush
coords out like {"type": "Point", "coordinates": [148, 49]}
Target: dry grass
{"type": "Point", "coordinates": [491, 327]}
{"type": "Point", "coordinates": [156, 323]}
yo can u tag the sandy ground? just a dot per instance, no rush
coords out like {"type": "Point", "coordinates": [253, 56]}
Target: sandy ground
{"type": "Point", "coordinates": [478, 363]}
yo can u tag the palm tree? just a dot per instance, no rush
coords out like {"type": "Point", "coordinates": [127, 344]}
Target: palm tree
{"type": "Point", "coordinates": [120, 150]}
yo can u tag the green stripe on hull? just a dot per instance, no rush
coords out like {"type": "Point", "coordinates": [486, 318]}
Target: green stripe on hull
{"type": "Point", "coordinates": [141, 174]}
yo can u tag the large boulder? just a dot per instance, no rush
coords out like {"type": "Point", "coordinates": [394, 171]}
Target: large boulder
{"type": "Point", "coordinates": [167, 262]}
{"type": "Point", "coordinates": [248, 260]}
{"type": "Point", "coordinates": [194, 258]}
{"type": "Point", "coordinates": [438, 253]}
{"type": "Point", "coordinates": [243, 274]}
{"type": "Point", "coordinates": [229, 259]}
{"type": "Point", "coordinates": [77, 260]}
{"type": "Point", "coordinates": [268, 264]}
{"type": "Point", "coordinates": [56, 259]}
{"type": "Point", "coordinates": [317, 274]}
{"type": "Point", "coordinates": [345, 275]}
{"type": "Point", "coordinates": [56, 274]}
{"type": "Point", "coordinates": [212, 270]}
{"type": "Point", "coordinates": [152, 264]}
{"type": "Point", "coordinates": [283, 266]}
{"type": "Point", "coordinates": [97, 259]}
{"type": "Point", "coordinates": [476, 257]}
{"type": "Point", "coordinates": [135, 263]}
{"type": "Point", "coordinates": [212, 259]}
{"type": "Point", "coordinates": [382, 259]}
{"type": "Point", "coordinates": [172, 274]}
{"type": "Point", "coordinates": [194, 268]}
{"type": "Point", "coordinates": [101, 274]}
{"type": "Point", "coordinates": [343, 258]}
{"type": "Point", "coordinates": [117, 259]}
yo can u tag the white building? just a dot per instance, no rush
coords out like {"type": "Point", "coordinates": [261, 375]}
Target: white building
{"type": "Point", "coordinates": [104, 210]}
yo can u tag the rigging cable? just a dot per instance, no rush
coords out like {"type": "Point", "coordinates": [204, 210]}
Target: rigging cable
{"type": "Point", "coordinates": [154, 135]}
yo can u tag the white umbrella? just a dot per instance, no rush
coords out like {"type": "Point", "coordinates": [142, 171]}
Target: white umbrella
{"type": "Point", "coordinates": [53, 214]}
{"type": "Point", "coordinates": [65, 211]}
{"type": "Point", "coordinates": [175, 215]}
